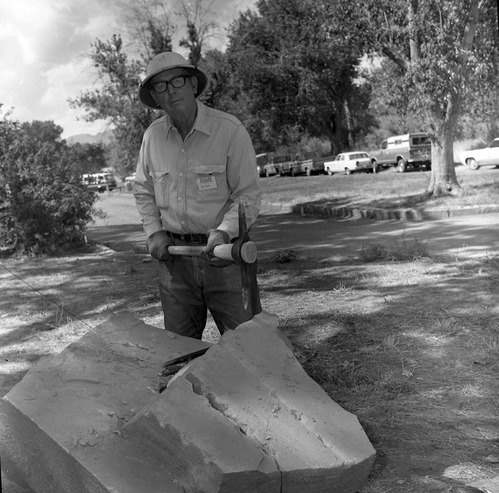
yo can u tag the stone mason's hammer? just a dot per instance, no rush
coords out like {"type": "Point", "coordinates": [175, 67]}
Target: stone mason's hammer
{"type": "Point", "coordinates": [243, 251]}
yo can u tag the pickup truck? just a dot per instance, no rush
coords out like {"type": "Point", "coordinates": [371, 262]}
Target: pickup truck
{"type": "Point", "coordinates": [406, 150]}
{"type": "Point", "coordinates": [306, 163]}
{"type": "Point", "coordinates": [282, 164]}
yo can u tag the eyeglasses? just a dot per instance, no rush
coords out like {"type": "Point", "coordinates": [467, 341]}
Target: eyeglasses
{"type": "Point", "coordinates": [176, 82]}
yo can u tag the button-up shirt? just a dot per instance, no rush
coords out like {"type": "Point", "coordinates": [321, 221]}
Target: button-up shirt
{"type": "Point", "coordinates": [193, 185]}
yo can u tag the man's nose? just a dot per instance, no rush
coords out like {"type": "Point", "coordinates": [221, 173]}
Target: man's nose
{"type": "Point", "coordinates": [170, 89]}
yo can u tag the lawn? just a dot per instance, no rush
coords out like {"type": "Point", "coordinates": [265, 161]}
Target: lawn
{"type": "Point", "coordinates": [386, 189]}
{"type": "Point", "coordinates": [406, 339]}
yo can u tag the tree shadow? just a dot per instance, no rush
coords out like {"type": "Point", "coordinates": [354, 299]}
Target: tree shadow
{"type": "Point", "coordinates": [412, 353]}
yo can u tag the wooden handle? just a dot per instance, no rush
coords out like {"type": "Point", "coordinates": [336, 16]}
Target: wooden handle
{"type": "Point", "coordinates": [224, 252]}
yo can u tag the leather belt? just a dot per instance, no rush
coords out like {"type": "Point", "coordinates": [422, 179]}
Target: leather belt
{"type": "Point", "coordinates": [190, 238]}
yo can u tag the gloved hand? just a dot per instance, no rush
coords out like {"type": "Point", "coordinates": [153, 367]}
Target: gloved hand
{"type": "Point", "coordinates": [215, 237]}
{"type": "Point", "coordinates": [157, 245]}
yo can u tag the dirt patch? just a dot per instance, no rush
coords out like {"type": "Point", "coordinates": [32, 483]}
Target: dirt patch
{"type": "Point", "coordinates": [411, 348]}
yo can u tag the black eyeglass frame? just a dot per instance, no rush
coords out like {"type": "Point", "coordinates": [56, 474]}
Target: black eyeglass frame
{"type": "Point", "coordinates": [177, 82]}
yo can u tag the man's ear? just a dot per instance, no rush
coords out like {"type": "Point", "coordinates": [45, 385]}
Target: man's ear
{"type": "Point", "coordinates": [153, 94]}
{"type": "Point", "coordinates": [194, 82]}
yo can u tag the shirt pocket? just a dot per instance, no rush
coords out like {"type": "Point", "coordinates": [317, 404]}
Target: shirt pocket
{"type": "Point", "coordinates": [211, 182]}
{"type": "Point", "coordinates": [162, 184]}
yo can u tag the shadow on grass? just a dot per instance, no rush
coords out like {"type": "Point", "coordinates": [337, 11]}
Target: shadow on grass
{"type": "Point", "coordinates": [410, 348]}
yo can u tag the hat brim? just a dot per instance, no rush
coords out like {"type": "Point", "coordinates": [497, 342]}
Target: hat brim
{"type": "Point", "coordinates": [145, 96]}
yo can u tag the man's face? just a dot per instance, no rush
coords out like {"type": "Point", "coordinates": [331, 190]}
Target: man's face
{"type": "Point", "coordinates": [178, 95]}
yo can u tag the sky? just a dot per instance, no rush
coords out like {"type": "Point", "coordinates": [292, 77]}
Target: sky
{"type": "Point", "coordinates": [44, 46]}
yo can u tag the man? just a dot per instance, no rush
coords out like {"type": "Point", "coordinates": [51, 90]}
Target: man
{"type": "Point", "coordinates": [195, 165]}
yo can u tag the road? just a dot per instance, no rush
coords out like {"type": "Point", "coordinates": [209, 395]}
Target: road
{"type": "Point", "coordinates": [327, 239]}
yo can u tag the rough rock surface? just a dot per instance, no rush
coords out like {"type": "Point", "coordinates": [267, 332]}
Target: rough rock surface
{"type": "Point", "coordinates": [243, 417]}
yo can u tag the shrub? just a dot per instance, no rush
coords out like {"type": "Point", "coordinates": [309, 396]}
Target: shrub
{"type": "Point", "coordinates": [43, 205]}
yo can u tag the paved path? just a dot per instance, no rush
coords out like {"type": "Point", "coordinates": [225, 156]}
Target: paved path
{"type": "Point", "coordinates": [327, 239]}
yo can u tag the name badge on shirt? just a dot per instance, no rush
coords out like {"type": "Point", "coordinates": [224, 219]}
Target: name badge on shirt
{"type": "Point", "coordinates": [206, 183]}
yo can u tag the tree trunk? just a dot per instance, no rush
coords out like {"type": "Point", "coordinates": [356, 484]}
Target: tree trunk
{"type": "Point", "coordinates": [443, 174]}
{"type": "Point", "coordinates": [443, 179]}
{"type": "Point", "coordinates": [413, 37]}
{"type": "Point", "coordinates": [349, 124]}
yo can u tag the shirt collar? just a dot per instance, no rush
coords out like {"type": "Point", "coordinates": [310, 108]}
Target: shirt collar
{"type": "Point", "coordinates": [200, 123]}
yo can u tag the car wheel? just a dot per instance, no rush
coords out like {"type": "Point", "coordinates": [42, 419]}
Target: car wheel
{"type": "Point", "coordinates": [329, 172]}
{"type": "Point", "coordinates": [401, 165]}
{"type": "Point", "coordinates": [292, 172]}
{"type": "Point", "coordinates": [308, 172]}
{"type": "Point", "coordinates": [267, 174]}
{"type": "Point", "coordinates": [472, 164]}
{"type": "Point", "coordinates": [375, 167]}
{"type": "Point", "coordinates": [348, 171]}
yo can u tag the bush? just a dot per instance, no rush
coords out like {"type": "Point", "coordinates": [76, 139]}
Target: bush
{"type": "Point", "coordinates": [43, 205]}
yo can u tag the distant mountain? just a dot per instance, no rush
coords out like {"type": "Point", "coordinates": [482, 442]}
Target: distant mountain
{"type": "Point", "coordinates": [104, 137]}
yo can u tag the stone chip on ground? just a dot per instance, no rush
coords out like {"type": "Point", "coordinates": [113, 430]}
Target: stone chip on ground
{"type": "Point", "coordinates": [243, 417]}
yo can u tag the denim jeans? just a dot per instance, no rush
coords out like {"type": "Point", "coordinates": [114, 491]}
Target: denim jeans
{"type": "Point", "coordinates": [189, 286]}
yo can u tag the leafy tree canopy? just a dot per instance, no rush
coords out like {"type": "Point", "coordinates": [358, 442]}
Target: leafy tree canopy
{"type": "Point", "coordinates": [296, 62]}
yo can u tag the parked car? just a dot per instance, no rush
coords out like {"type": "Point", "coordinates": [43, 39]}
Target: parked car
{"type": "Point", "coordinates": [130, 178]}
{"type": "Point", "coordinates": [100, 182]}
{"type": "Point", "coordinates": [283, 164]}
{"type": "Point", "coordinates": [270, 169]}
{"type": "Point", "coordinates": [476, 158]}
{"type": "Point", "coordinates": [403, 151]}
{"type": "Point", "coordinates": [309, 163]}
{"type": "Point", "coordinates": [349, 162]}
{"type": "Point", "coordinates": [265, 165]}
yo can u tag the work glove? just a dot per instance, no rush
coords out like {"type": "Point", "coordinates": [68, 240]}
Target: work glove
{"type": "Point", "coordinates": [216, 237]}
{"type": "Point", "coordinates": [157, 245]}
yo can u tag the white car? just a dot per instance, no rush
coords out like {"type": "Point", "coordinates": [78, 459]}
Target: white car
{"type": "Point", "coordinates": [488, 156]}
{"type": "Point", "coordinates": [349, 162]}
{"type": "Point", "coordinates": [131, 178]}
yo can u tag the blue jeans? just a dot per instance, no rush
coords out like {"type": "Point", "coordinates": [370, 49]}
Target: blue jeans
{"type": "Point", "coordinates": [189, 286]}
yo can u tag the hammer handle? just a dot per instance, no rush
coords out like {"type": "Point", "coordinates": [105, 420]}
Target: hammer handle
{"type": "Point", "coordinates": [224, 252]}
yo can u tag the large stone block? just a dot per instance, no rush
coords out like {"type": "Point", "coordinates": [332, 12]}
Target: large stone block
{"type": "Point", "coordinates": [244, 417]}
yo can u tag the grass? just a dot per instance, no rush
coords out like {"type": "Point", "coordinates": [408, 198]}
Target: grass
{"type": "Point", "coordinates": [405, 339]}
{"type": "Point", "coordinates": [400, 249]}
{"type": "Point", "coordinates": [386, 189]}
{"type": "Point", "coordinates": [405, 347]}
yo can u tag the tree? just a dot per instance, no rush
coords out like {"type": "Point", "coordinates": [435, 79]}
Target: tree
{"type": "Point", "coordinates": [43, 205]}
{"type": "Point", "coordinates": [116, 101]}
{"type": "Point", "coordinates": [296, 65]}
{"type": "Point", "coordinates": [200, 25]}
{"type": "Point", "coordinates": [147, 26]}
{"type": "Point", "coordinates": [88, 158]}
{"type": "Point", "coordinates": [445, 52]}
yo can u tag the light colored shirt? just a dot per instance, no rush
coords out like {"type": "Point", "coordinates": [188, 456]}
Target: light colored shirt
{"type": "Point", "coordinates": [193, 185]}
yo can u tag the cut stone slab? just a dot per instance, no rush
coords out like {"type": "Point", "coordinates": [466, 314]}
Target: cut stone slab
{"type": "Point", "coordinates": [60, 426]}
{"type": "Point", "coordinates": [244, 417]}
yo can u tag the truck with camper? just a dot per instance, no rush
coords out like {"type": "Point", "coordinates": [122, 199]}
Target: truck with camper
{"type": "Point", "coordinates": [403, 151]}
